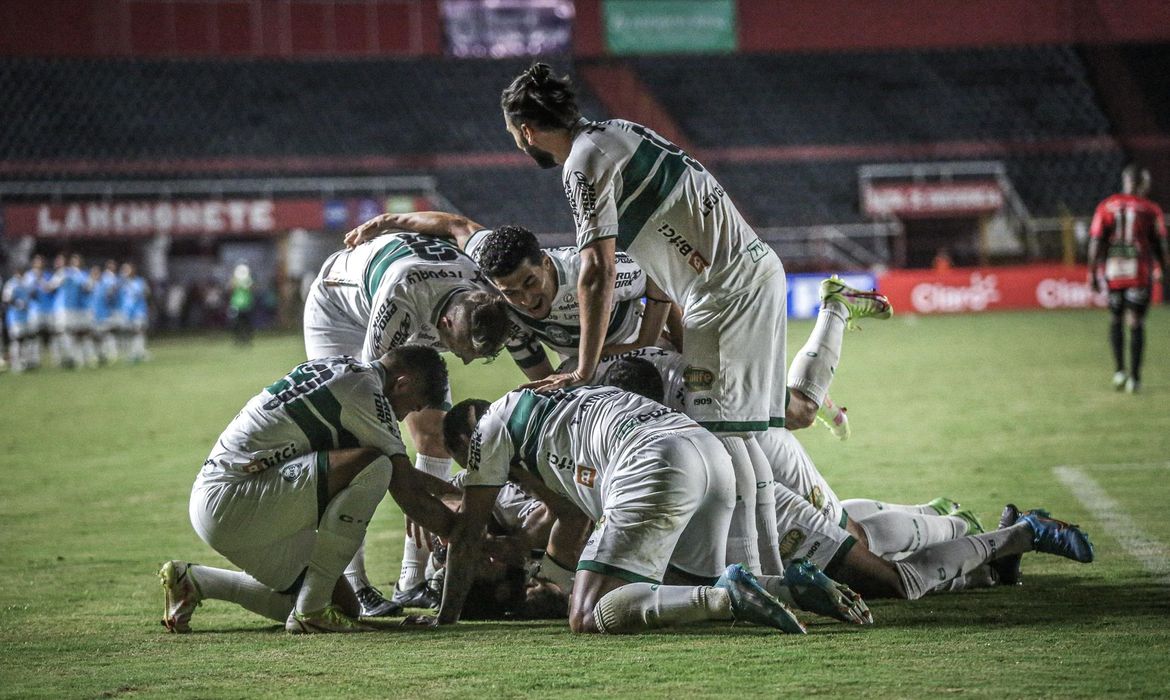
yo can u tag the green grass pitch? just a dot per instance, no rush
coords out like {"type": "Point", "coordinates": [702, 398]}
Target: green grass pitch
{"type": "Point", "coordinates": [97, 467]}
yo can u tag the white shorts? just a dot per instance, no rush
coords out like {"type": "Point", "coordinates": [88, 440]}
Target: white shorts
{"type": "Point", "coordinates": [668, 504]}
{"type": "Point", "coordinates": [69, 321]}
{"type": "Point", "coordinates": [736, 379]}
{"type": "Point", "coordinates": [329, 329]}
{"type": "Point", "coordinates": [265, 523]}
{"type": "Point", "coordinates": [794, 469]}
{"type": "Point", "coordinates": [806, 534]}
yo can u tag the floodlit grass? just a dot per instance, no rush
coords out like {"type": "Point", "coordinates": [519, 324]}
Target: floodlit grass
{"type": "Point", "coordinates": [97, 467]}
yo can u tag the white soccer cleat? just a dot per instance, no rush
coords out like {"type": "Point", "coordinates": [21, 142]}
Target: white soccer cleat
{"type": "Point", "coordinates": [859, 304]}
{"type": "Point", "coordinates": [1132, 386]}
{"type": "Point", "coordinates": [181, 596]}
{"type": "Point", "coordinates": [327, 619]}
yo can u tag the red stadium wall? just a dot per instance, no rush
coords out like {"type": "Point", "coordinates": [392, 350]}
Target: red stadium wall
{"type": "Point", "coordinates": [315, 28]}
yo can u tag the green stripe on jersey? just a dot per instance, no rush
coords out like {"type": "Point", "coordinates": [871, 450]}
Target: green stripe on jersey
{"type": "Point", "coordinates": [735, 426]}
{"type": "Point", "coordinates": [525, 423]}
{"type": "Point", "coordinates": [392, 253]}
{"type": "Point", "coordinates": [642, 207]}
{"type": "Point", "coordinates": [319, 434]}
{"type": "Point", "coordinates": [330, 409]}
{"type": "Point", "coordinates": [637, 169]}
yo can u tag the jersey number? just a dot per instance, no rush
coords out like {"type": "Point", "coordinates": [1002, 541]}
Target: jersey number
{"type": "Point", "coordinates": [666, 146]}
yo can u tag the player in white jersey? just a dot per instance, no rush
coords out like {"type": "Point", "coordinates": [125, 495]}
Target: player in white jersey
{"type": "Point", "coordinates": [398, 289]}
{"type": "Point", "coordinates": [657, 487]}
{"type": "Point", "coordinates": [632, 190]}
{"type": "Point", "coordinates": [540, 285]}
{"type": "Point", "coordinates": [292, 483]}
{"type": "Point", "coordinates": [940, 558]}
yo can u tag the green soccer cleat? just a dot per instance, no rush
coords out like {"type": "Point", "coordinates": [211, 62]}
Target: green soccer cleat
{"type": "Point", "coordinates": [181, 596]}
{"type": "Point", "coordinates": [751, 603]}
{"type": "Point", "coordinates": [859, 304]}
{"type": "Point", "coordinates": [815, 592]}
{"type": "Point", "coordinates": [974, 525]}
{"type": "Point", "coordinates": [1058, 537]}
{"type": "Point", "coordinates": [327, 619]}
{"type": "Point", "coordinates": [944, 506]}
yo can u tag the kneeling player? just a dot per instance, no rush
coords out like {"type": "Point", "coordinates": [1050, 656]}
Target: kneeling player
{"type": "Point", "coordinates": [293, 481]}
{"type": "Point", "coordinates": [658, 487]}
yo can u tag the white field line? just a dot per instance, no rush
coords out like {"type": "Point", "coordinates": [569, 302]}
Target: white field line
{"type": "Point", "coordinates": [1153, 555]}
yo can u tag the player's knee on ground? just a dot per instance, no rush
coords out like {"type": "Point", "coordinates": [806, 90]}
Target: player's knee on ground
{"type": "Point", "coordinates": [345, 465]}
{"type": "Point", "coordinates": [800, 412]}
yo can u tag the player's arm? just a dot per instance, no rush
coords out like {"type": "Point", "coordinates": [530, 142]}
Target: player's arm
{"type": "Point", "coordinates": [413, 491]}
{"type": "Point", "coordinates": [439, 224]}
{"type": "Point", "coordinates": [464, 549]}
{"type": "Point", "coordinates": [528, 353]}
{"type": "Point", "coordinates": [1161, 244]}
{"type": "Point", "coordinates": [1098, 244]}
{"type": "Point", "coordinates": [653, 320]}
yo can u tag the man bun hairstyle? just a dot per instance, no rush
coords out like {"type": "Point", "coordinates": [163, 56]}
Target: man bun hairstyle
{"type": "Point", "coordinates": [539, 98]}
{"type": "Point", "coordinates": [636, 375]}
{"type": "Point", "coordinates": [427, 365]}
{"type": "Point", "coordinates": [460, 422]}
{"type": "Point", "coordinates": [505, 248]}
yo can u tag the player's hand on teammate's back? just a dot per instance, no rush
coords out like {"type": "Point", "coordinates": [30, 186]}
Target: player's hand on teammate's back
{"type": "Point", "coordinates": [368, 231]}
{"type": "Point", "coordinates": [555, 381]}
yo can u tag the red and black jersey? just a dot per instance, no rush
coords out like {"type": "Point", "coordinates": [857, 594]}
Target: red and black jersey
{"type": "Point", "coordinates": [1131, 230]}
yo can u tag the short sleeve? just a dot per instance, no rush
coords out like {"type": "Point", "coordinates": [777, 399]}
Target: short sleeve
{"type": "Point", "coordinates": [392, 321]}
{"type": "Point", "coordinates": [1101, 221]}
{"type": "Point", "coordinates": [474, 245]}
{"type": "Point", "coordinates": [366, 414]}
{"type": "Point", "coordinates": [629, 280]}
{"type": "Point", "coordinates": [491, 452]}
{"type": "Point", "coordinates": [589, 182]}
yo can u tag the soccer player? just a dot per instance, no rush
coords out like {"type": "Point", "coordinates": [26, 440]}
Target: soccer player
{"type": "Point", "coordinates": [290, 486]}
{"type": "Point", "coordinates": [939, 559]}
{"type": "Point", "coordinates": [17, 297]}
{"type": "Point", "coordinates": [40, 310]}
{"type": "Point", "coordinates": [1127, 241]}
{"type": "Point", "coordinates": [132, 295]}
{"type": "Point", "coordinates": [397, 289]}
{"type": "Point", "coordinates": [631, 190]}
{"type": "Point", "coordinates": [660, 491]}
{"type": "Point", "coordinates": [102, 308]}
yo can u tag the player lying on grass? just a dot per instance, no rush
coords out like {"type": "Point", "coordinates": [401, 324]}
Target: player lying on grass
{"type": "Point", "coordinates": [395, 290]}
{"type": "Point", "coordinates": [660, 491]}
{"type": "Point", "coordinates": [949, 562]}
{"type": "Point", "coordinates": [291, 485]}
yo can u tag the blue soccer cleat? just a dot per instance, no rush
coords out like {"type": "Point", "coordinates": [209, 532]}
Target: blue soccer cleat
{"type": "Point", "coordinates": [751, 603]}
{"type": "Point", "coordinates": [815, 592]}
{"type": "Point", "coordinates": [1053, 536]}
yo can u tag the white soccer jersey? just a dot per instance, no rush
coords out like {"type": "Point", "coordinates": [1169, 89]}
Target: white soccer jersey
{"type": "Point", "coordinates": [671, 366]}
{"type": "Point", "coordinates": [324, 404]}
{"type": "Point", "coordinates": [561, 329]}
{"type": "Point", "coordinates": [575, 440]}
{"type": "Point", "coordinates": [624, 181]}
{"type": "Point", "coordinates": [396, 286]}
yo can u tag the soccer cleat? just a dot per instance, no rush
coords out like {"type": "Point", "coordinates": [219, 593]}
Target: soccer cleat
{"type": "Point", "coordinates": [1053, 536]}
{"type": "Point", "coordinates": [815, 592]}
{"type": "Point", "coordinates": [833, 417]}
{"type": "Point", "coordinates": [751, 603]}
{"type": "Point", "coordinates": [859, 304]}
{"type": "Point", "coordinates": [327, 619]}
{"type": "Point", "coordinates": [974, 525]}
{"type": "Point", "coordinates": [415, 597]}
{"type": "Point", "coordinates": [1007, 569]}
{"type": "Point", "coordinates": [1119, 380]}
{"type": "Point", "coordinates": [181, 596]}
{"type": "Point", "coordinates": [1133, 386]}
{"type": "Point", "coordinates": [374, 604]}
{"type": "Point", "coordinates": [944, 506]}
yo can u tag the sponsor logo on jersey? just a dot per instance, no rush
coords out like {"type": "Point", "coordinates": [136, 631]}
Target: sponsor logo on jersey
{"type": "Point", "coordinates": [626, 279]}
{"type": "Point", "coordinates": [475, 451]}
{"type": "Point", "coordinates": [385, 414]}
{"type": "Point", "coordinates": [694, 258]}
{"type": "Point", "coordinates": [698, 379]}
{"type": "Point", "coordinates": [816, 497]}
{"type": "Point", "coordinates": [560, 462]}
{"type": "Point", "coordinates": [790, 542]}
{"type": "Point", "coordinates": [276, 457]}
{"type": "Point", "coordinates": [424, 275]}
{"type": "Point", "coordinates": [385, 312]}
{"type": "Point", "coordinates": [586, 476]}
{"type": "Point", "coordinates": [711, 199]}
{"type": "Point", "coordinates": [582, 196]}
{"type": "Point", "coordinates": [757, 250]}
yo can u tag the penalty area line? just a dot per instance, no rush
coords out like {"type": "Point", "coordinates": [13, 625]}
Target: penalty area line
{"type": "Point", "coordinates": [1153, 555]}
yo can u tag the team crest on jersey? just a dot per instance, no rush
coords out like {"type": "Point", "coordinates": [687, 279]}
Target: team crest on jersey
{"type": "Point", "coordinates": [698, 379]}
{"type": "Point", "coordinates": [290, 472]}
{"type": "Point", "coordinates": [582, 196]}
{"type": "Point", "coordinates": [816, 497]}
{"type": "Point", "coordinates": [558, 334]}
{"type": "Point", "coordinates": [790, 542]}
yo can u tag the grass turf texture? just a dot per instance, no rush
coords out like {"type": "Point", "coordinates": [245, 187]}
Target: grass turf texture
{"type": "Point", "coordinates": [98, 466]}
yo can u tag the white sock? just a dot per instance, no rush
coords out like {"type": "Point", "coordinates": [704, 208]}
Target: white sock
{"type": "Point", "coordinates": [979, 578]}
{"type": "Point", "coordinates": [812, 368]}
{"type": "Point", "coordinates": [898, 531]}
{"type": "Point", "coordinates": [109, 347]}
{"type": "Point", "coordinates": [643, 606]}
{"type": "Point", "coordinates": [138, 346]}
{"type": "Point", "coordinates": [767, 537]}
{"type": "Point", "coordinates": [241, 589]}
{"type": "Point", "coordinates": [862, 508]}
{"type": "Point", "coordinates": [933, 566]}
{"type": "Point", "coordinates": [414, 558]}
{"type": "Point", "coordinates": [355, 572]}
{"type": "Point", "coordinates": [742, 538]}
{"type": "Point", "coordinates": [88, 350]}
{"type": "Point", "coordinates": [340, 533]}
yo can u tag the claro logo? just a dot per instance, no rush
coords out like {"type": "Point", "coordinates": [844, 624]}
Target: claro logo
{"type": "Point", "coordinates": [930, 297]}
{"type": "Point", "coordinates": [1063, 294]}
